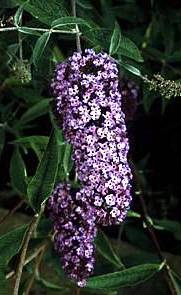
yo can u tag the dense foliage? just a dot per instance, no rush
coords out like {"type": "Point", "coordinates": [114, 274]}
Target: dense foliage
{"type": "Point", "coordinates": [142, 254]}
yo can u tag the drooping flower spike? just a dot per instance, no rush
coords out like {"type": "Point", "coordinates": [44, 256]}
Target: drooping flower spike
{"type": "Point", "coordinates": [89, 103]}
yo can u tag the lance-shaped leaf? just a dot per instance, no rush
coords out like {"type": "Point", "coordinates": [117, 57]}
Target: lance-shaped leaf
{"type": "Point", "coordinates": [131, 69]}
{"type": "Point", "coordinates": [105, 249]}
{"type": "Point", "coordinates": [10, 243]}
{"type": "Point", "coordinates": [18, 15]}
{"type": "Point", "coordinates": [128, 277]}
{"type": "Point", "coordinates": [133, 214]}
{"type": "Point", "coordinates": [40, 47]}
{"type": "Point", "coordinates": [115, 39]}
{"type": "Point", "coordinates": [44, 11]}
{"type": "Point", "coordinates": [129, 49]}
{"type": "Point", "coordinates": [42, 184]}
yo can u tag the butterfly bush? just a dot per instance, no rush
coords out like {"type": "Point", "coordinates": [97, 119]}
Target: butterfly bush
{"type": "Point", "coordinates": [89, 104]}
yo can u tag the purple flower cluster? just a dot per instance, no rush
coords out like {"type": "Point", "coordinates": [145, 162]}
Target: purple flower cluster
{"type": "Point", "coordinates": [75, 230]}
{"type": "Point", "coordinates": [89, 104]}
{"type": "Point", "coordinates": [129, 92]}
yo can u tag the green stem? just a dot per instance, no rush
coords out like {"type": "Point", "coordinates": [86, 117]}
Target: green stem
{"type": "Point", "coordinates": [27, 261]}
{"type": "Point", "coordinates": [73, 31]}
{"type": "Point", "coordinates": [76, 26]}
{"type": "Point", "coordinates": [28, 235]}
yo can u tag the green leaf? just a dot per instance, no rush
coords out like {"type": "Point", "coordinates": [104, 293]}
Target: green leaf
{"type": "Point", "coordinates": [131, 69]}
{"type": "Point", "coordinates": [18, 173]}
{"type": "Point", "coordinates": [133, 214]}
{"type": "Point", "coordinates": [129, 277]}
{"type": "Point", "coordinates": [69, 20]}
{"type": "Point", "coordinates": [115, 40]}
{"type": "Point", "coordinates": [39, 109]}
{"type": "Point", "coordinates": [44, 11]}
{"type": "Point", "coordinates": [18, 15]}
{"type": "Point", "coordinates": [42, 184]}
{"type": "Point", "coordinates": [58, 133]}
{"type": "Point", "coordinates": [105, 249]}
{"type": "Point", "coordinates": [10, 245]}
{"type": "Point", "coordinates": [67, 159]}
{"type": "Point", "coordinates": [64, 161]}
{"type": "Point", "coordinates": [37, 143]}
{"type": "Point", "coordinates": [129, 49]}
{"type": "Point", "coordinates": [40, 47]}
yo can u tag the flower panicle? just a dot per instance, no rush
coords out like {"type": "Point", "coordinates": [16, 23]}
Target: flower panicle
{"type": "Point", "coordinates": [89, 103]}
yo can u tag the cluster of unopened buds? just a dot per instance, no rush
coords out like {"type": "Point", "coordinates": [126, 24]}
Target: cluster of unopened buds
{"type": "Point", "coordinates": [89, 103]}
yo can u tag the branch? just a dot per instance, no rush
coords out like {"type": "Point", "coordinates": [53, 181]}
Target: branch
{"type": "Point", "coordinates": [20, 41]}
{"type": "Point", "coordinates": [36, 269]}
{"type": "Point", "coordinates": [150, 228]}
{"type": "Point", "coordinates": [28, 260]}
{"type": "Point", "coordinates": [32, 228]}
{"type": "Point", "coordinates": [76, 26]}
{"type": "Point", "coordinates": [73, 31]}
